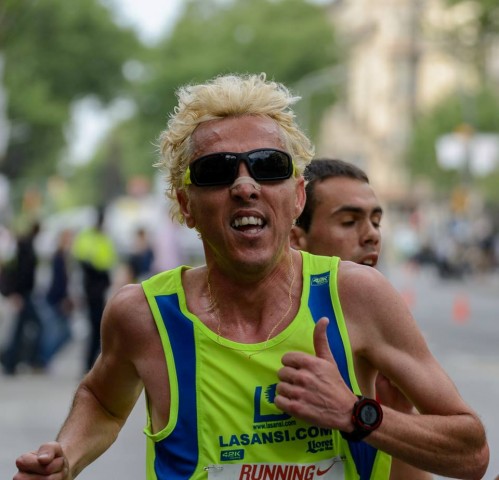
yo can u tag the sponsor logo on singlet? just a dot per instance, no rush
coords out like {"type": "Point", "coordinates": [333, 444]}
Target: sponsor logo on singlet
{"type": "Point", "coordinates": [319, 280]}
{"type": "Point", "coordinates": [272, 426]}
{"type": "Point", "coordinates": [265, 409]}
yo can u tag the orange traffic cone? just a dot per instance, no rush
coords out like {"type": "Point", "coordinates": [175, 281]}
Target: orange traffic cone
{"type": "Point", "coordinates": [461, 309]}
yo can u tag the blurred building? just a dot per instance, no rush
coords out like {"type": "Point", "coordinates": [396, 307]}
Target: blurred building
{"type": "Point", "coordinates": [400, 61]}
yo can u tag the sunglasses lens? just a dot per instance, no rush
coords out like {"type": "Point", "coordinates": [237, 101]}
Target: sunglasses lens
{"type": "Point", "coordinates": [217, 169]}
{"type": "Point", "coordinates": [270, 165]}
{"type": "Point", "coordinates": [221, 168]}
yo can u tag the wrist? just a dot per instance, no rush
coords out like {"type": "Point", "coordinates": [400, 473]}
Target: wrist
{"type": "Point", "coordinates": [366, 417]}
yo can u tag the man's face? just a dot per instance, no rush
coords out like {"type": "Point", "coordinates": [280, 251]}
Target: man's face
{"type": "Point", "coordinates": [245, 226]}
{"type": "Point", "coordinates": [345, 222]}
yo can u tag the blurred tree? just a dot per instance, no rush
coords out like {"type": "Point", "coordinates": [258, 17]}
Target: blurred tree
{"type": "Point", "coordinates": [55, 52]}
{"type": "Point", "coordinates": [470, 38]}
{"type": "Point", "coordinates": [487, 13]}
{"type": "Point", "coordinates": [473, 39]}
{"type": "Point", "coordinates": [287, 39]}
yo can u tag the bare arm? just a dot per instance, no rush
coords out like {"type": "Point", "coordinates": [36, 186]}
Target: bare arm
{"type": "Point", "coordinates": [447, 438]}
{"type": "Point", "coordinates": [389, 395]}
{"type": "Point", "coordinates": [103, 400]}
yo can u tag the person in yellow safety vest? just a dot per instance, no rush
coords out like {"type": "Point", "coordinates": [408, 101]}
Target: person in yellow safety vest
{"type": "Point", "coordinates": [95, 252]}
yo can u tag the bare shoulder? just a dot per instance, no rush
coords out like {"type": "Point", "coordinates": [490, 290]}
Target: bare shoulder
{"type": "Point", "coordinates": [350, 273]}
{"type": "Point", "coordinates": [360, 283]}
{"type": "Point", "coordinates": [372, 306]}
{"type": "Point", "coordinates": [128, 302]}
{"type": "Point", "coordinates": [127, 317]}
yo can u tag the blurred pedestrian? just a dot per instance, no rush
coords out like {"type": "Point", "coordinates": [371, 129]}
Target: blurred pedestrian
{"type": "Point", "coordinates": [23, 344]}
{"type": "Point", "coordinates": [95, 252]}
{"type": "Point", "coordinates": [8, 245]}
{"type": "Point", "coordinates": [342, 217]}
{"type": "Point", "coordinates": [57, 305]}
{"type": "Point", "coordinates": [170, 244]}
{"type": "Point", "coordinates": [137, 265]}
{"type": "Point", "coordinates": [141, 258]}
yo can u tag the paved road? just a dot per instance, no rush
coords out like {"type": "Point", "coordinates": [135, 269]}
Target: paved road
{"type": "Point", "coordinates": [460, 321]}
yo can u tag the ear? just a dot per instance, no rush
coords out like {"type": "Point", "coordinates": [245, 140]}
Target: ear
{"type": "Point", "coordinates": [298, 238]}
{"type": "Point", "coordinates": [301, 196]}
{"type": "Point", "coordinates": [185, 208]}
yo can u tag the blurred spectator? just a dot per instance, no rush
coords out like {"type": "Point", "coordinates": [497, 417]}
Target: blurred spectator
{"type": "Point", "coordinates": [450, 260]}
{"type": "Point", "coordinates": [8, 262]}
{"type": "Point", "coordinates": [171, 244]}
{"type": "Point", "coordinates": [7, 243]}
{"type": "Point", "coordinates": [96, 254]}
{"type": "Point", "coordinates": [495, 250]}
{"type": "Point", "coordinates": [26, 333]}
{"type": "Point", "coordinates": [141, 259]}
{"type": "Point", "coordinates": [56, 309]}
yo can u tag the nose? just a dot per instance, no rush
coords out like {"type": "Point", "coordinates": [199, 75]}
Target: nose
{"type": "Point", "coordinates": [245, 186]}
{"type": "Point", "coordinates": [243, 169]}
{"type": "Point", "coordinates": [370, 233]}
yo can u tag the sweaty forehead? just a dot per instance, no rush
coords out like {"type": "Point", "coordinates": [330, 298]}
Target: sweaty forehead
{"type": "Point", "coordinates": [236, 134]}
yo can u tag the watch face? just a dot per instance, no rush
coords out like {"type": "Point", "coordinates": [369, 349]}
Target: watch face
{"type": "Point", "coordinates": [368, 415]}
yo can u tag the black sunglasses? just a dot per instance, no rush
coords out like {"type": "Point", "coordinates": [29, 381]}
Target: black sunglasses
{"type": "Point", "coordinates": [264, 165]}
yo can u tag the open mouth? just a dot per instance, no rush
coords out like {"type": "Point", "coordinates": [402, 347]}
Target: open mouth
{"type": "Point", "coordinates": [249, 223]}
{"type": "Point", "coordinates": [369, 261]}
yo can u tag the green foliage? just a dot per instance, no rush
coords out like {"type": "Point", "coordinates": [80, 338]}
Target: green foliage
{"type": "Point", "coordinates": [478, 111]}
{"type": "Point", "coordinates": [473, 40]}
{"type": "Point", "coordinates": [55, 52]}
{"type": "Point", "coordinates": [488, 15]}
{"type": "Point", "coordinates": [287, 39]}
{"type": "Point", "coordinates": [58, 51]}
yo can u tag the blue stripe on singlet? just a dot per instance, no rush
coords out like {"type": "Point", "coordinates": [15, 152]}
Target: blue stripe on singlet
{"type": "Point", "coordinates": [177, 455]}
{"type": "Point", "coordinates": [320, 305]}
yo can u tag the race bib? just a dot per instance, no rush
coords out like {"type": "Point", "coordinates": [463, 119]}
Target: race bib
{"type": "Point", "coordinates": [332, 469]}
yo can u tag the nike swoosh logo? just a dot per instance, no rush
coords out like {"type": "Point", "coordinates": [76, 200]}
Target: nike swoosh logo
{"type": "Point", "coordinates": [320, 472]}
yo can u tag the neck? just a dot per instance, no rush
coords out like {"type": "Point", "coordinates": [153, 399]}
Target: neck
{"type": "Point", "coordinates": [259, 310]}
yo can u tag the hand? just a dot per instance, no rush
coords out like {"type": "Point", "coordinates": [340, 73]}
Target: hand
{"type": "Point", "coordinates": [311, 387]}
{"type": "Point", "coordinates": [49, 460]}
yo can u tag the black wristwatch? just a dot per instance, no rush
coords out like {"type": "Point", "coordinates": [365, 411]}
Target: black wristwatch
{"type": "Point", "coordinates": [366, 417]}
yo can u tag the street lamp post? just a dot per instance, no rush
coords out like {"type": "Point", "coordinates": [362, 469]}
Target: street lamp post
{"type": "Point", "coordinates": [471, 153]}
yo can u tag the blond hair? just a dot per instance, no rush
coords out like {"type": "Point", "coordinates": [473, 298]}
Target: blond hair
{"type": "Point", "coordinates": [226, 96]}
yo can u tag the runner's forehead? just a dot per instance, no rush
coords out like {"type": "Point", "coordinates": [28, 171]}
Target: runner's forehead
{"type": "Point", "coordinates": [236, 134]}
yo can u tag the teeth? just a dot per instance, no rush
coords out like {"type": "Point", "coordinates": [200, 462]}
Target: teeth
{"type": "Point", "coordinates": [368, 262]}
{"type": "Point", "coordinates": [239, 222]}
